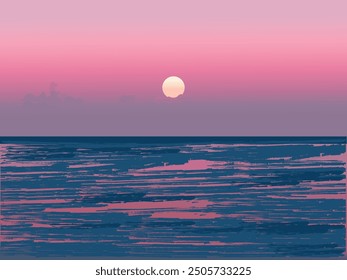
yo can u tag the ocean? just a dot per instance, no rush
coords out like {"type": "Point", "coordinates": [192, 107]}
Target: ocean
{"type": "Point", "coordinates": [173, 197]}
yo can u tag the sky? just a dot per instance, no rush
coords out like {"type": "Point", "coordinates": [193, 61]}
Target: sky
{"type": "Point", "coordinates": [96, 67]}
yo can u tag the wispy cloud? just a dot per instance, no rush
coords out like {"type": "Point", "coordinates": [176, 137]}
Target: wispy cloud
{"type": "Point", "coordinates": [53, 99]}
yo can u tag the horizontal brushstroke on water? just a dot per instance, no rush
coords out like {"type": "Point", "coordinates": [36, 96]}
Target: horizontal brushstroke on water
{"type": "Point", "coordinates": [173, 197]}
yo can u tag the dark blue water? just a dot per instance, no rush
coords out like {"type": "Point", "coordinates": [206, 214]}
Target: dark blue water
{"type": "Point", "coordinates": [173, 197]}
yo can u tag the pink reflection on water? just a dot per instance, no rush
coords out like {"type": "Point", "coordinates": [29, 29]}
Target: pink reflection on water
{"type": "Point", "coordinates": [332, 183]}
{"type": "Point", "coordinates": [237, 176]}
{"type": "Point", "coordinates": [32, 173]}
{"type": "Point", "coordinates": [34, 190]}
{"type": "Point", "coordinates": [151, 180]}
{"type": "Point", "coordinates": [35, 201]}
{"type": "Point", "coordinates": [323, 145]}
{"type": "Point", "coordinates": [243, 165]}
{"type": "Point", "coordinates": [27, 164]}
{"type": "Point", "coordinates": [329, 188]}
{"type": "Point", "coordinates": [340, 157]}
{"type": "Point", "coordinates": [145, 205]}
{"type": "Point", "coordinates": [4, 238]}
{"type": "Point", "coordinates": [190, 243]}
{"type": "Point", "coordinates": [326, 196]}
{"type": "Point", "coordinates": [192, 164]}
{"type": "Point", "coordinates": [66, 240]}
{"type": "Point", "coordinates": [185, 215]}
{"type": "Point", "coordinates": [40, 225]}
{"type": "Point", "coordinates": [268, 187]}
{"type": "Point", "coordinates": [9, 222]}
{"type": "Point", "coordinates": [311, 196]}
{"type": "Point", "coordinates": [8, 236]}
{"type": "Point", "coordinates": [89, 165]}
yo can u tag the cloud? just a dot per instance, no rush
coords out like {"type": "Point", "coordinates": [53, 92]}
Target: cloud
{"type": "Point", "coordinates": [52, 100]}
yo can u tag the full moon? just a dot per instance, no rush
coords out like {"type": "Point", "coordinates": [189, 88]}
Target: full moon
{"type": "Point", "coordinates": [173, 87]}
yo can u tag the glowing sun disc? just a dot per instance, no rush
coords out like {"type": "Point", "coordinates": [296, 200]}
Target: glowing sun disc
{"type": "Point", "coordinates": [173, 87]}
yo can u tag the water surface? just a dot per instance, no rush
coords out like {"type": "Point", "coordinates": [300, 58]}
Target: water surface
{"type": "Point", "coordinates": [173, 197]}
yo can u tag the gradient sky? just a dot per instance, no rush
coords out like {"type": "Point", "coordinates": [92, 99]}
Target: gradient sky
{"type": "Point", "coordinates": [246, 62]}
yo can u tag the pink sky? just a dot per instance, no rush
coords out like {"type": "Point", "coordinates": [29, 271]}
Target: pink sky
{"type": "Point", "coordinates": [250, 67]}
{"type": "Point", "coordinates": [225, 49]}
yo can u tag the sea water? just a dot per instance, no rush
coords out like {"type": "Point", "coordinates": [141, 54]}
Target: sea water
{"type": "Point", "coordinates": [173, 197]}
